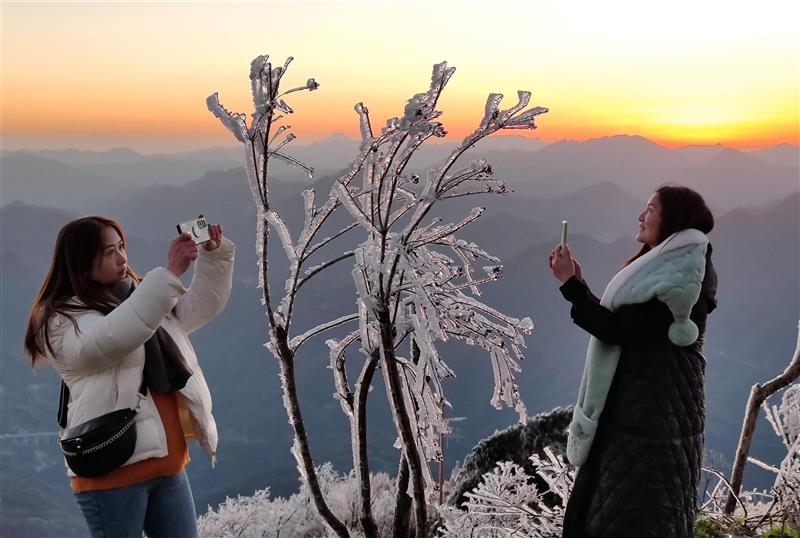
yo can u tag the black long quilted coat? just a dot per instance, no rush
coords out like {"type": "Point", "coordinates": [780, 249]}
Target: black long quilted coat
{"type": "Point", "coordinates": [641, 476]}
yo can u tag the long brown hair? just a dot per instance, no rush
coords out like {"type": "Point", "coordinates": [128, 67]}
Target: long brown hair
{"type": "Point", "coordinates": [681, 209]}
{"type": "Point", "coordinates": [78, 245]}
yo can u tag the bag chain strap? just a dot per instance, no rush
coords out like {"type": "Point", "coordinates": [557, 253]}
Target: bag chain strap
{"type": "Point", "coordinates": [104, 443]}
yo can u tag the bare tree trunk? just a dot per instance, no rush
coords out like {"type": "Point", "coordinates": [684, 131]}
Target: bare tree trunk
{"type": "Point", "coordinates": [410, 451]}
{"type": "Point", "coordinates": [758, 394]}
{"type": "Point", "coordinates": [402, 507]}
{"type": "Point", "coordinates": [361, 462]}
{"type": "Point", "coordinates": [303, 453]}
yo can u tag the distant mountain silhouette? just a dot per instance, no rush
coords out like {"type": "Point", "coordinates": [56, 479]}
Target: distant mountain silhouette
{"type": "Point", "coordinates": [40, 180]}
{"type": "Point", "coordinates": [728, 177]}
{"type": "Point", "coordinates": [27, 235]}
{"type": "Point", "coordinates": [78, 157]}
{"type": "Point", "coordinates": [787, 155]}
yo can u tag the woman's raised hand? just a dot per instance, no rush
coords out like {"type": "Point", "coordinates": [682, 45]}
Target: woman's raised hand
{"type": "Point", "coordinates": [182, 252]}
{"type": "Point", "coordinates": [215, 231]}
{"type": "Point", "coordinates": [577, 269]}
{"type": "Point", "coordinates": [562, 264]}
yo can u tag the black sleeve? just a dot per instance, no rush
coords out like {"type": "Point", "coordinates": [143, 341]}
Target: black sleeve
{"type": "Point", "coordinates": [592, 296]}
{"type": "Point", "coordinates": [627, 324]}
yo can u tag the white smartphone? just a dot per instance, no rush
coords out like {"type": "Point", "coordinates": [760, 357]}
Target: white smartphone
{"type": "Point", "coordinates": [197, 228]}
{"type": "Point", "coordinates": [563, 233]}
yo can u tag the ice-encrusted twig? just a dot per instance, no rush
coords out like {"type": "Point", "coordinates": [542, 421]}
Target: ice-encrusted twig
{"type": "Point", "coordinates": [297, 341]}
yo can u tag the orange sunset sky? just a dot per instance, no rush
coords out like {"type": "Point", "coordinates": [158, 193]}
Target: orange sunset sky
{"type": "Point", "coordinates": [100, 75]}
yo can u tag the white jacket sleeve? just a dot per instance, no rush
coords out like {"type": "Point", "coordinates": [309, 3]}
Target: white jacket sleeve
{"type": "Point", "coordinates": [102, 341]}
{"type": "Point", "coordinates": [210, 288]}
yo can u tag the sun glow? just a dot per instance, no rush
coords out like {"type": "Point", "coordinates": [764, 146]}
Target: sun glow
{"type": "Point", "coordinates": [102, 75]}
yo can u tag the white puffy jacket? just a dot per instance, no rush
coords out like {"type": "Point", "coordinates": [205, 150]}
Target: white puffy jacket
{"type": "Point", "coordinates": [102, 362]}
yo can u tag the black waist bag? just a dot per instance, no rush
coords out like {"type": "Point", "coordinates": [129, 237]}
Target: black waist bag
{"type": "Point", "coordinates": [102, 444]}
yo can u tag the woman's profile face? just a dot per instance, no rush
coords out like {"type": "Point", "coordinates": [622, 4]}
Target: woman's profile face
{"type": "Point", "coordinates": [111, 264]}
{"type": "Point", "coordinates": [650, 222]}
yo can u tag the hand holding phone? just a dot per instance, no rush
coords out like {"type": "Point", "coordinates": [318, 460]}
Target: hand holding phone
{"type": "Point", "coordinates": [196, 228]}
{"type": "Point", "coordinates": [182, 252]}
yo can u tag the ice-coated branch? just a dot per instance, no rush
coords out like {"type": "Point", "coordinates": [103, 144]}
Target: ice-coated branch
{"type": "Point", "coordinates": [309, 210]}
{"type": "Point", "coordinates": [347, 198]}
{"type": "Point", "coordinates": [311, 250]}
{"type": "Point", "coordinates": [292, 161]}
{"type": "Point", "coordinates": [758, 394]}
{"type": "Point", "coordinates": [337, 364]}
{"type": "Point", "coordinates": [364, 124]}
{"type": "Point", "coordinates": [493, 121]}
{"type": "Point", "coordinates": [297, 341]}
{"type": "Point", "coordinates": [443, 231]}
{"type": "Point", "coordinates": [321, 267]}
{"type": "Point", "coordinates": [400, 412]}
{"type": "Point", "coordinates": [284, 235]}
{"type": "Point", "coordinates": [358, 429]}
{"type": "Point", "coordinates": [233, 121]}
{"type": "Point", "coordinates": [355, 408]}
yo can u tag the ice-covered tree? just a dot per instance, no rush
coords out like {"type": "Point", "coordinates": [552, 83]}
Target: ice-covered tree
{"type": "Point", "coordinates": [415, 281]}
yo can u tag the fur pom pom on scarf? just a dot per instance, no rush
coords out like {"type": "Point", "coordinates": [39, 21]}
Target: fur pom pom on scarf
{"type": "Point", "coordinates": [673, 273]}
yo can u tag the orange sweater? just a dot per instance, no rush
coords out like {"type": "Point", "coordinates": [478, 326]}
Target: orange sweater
{"type": "Point", "coordinates": [176, 459]}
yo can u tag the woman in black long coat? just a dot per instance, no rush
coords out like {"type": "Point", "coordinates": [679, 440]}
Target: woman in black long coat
{"type": "Point", "coordinates": [638, 436]}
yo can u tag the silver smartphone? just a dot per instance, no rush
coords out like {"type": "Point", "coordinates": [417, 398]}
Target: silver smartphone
{"type": "Point", "coordinates": [563, 233]}
{"type": "Point", "coordinates": [197, 228]}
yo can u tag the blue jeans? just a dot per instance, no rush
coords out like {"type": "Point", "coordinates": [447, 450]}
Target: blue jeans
{"type": "Point", "coordinates": [161, 507]}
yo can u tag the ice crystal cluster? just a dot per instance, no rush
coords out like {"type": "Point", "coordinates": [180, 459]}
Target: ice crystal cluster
{"type": "Point", "coordinates": [508, 503]}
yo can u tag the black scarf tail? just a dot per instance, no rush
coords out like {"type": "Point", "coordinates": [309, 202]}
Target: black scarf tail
{"type": "Point", "coordinates": [165, 368]}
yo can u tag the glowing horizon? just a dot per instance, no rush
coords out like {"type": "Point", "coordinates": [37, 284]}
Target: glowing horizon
{"type": "Point", "coordinates": [96, 76]}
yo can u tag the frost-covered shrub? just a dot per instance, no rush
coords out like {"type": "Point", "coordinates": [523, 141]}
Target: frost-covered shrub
{"type": "Point", "coordinates": [508, 503]}
{"type": "Point", "coordinates": [264, 516]}
{"type": "Point", "coordinates": [516, 444]}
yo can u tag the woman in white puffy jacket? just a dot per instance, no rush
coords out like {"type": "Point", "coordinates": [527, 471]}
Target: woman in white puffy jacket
{"type": "Point", "coordinates": [104, 330]}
